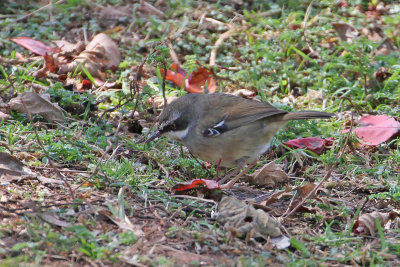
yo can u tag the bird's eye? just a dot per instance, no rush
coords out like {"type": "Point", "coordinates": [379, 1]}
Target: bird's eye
{"type": "Point", "coordinates": [169, 127]}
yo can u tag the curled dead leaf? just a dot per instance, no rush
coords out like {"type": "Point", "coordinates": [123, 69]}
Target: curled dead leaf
{"type": "Point", "coordinates": [101, 53]}
{"type": "Point", "coordinates": [346, 32]}
{"type": "Point", "coordinates": [245, 93]}
{"type": "Point", "coordinates": [49, 65]}
{"type": "Point", "coordinates": [245, 219]}
{"type": "Point", "coordinates": [194, 82]}
{"type": "Point", "coordinates": [10, 165]}
{"type": "Point", "coordinates": [209, 184]}
{"type": "Point", "coordinates": [302, 192]}
{"type": "Point", "coordinates": [37, 104]}
{"type": "Point", "coordinates": [366, 224]}
{"type": "Point", "coordinates": [269, 175]}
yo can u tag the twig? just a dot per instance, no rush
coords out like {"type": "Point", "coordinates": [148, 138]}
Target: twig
{"type": "Point", "coordinates": [218, 43]}
{"type": "Point", "coordinates": [38, 10]}
{"type": "Point", "coordinates": [163, 86]}
{"type": "Point", "coordinates": [328, 174]}
{"type": "Point", "coordinates": [172, 53]}
{"type": "Point", "coordinates": [97, 168]}
{"type": "Point", "coordinates": [137, 78]}
{"type": "Point", "coordinates": [307, 15]}
{"type": "Point", "coordinates": [58, 173]}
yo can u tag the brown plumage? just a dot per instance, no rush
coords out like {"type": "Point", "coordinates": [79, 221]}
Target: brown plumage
{"type": "Point", "coordinates": [225, 128]}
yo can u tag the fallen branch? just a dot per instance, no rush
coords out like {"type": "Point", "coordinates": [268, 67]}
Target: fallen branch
{"type": "Point", "coordinates": [218, 43]}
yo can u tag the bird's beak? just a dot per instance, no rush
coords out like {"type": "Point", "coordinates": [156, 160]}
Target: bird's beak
{"type": "Point", "coordinates": [153, 136]}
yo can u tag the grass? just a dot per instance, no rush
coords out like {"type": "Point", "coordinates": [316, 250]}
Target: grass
{"type": "Point", "coordinates": [272, 55]}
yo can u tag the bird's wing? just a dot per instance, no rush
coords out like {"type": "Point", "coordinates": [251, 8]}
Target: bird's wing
{"type": "Point", "coordinates": [233, 112]}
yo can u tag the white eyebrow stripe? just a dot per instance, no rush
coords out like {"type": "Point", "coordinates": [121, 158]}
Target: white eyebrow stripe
{"type": "Point", "coordinates": [219, 124]}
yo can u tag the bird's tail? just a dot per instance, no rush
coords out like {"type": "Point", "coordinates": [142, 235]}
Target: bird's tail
{"type": "Point", "coordinates": [307, 115]}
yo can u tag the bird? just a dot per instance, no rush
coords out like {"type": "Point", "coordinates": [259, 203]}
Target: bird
{"type": "Point", "coordinates": [225, 129]}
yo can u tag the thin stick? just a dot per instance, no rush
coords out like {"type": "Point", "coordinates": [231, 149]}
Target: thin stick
{"type": "Point", "coordinates": [38, 10]}
{"type": "Point", "coordinates": [328, 174]}
{"type": "Point", "coordinates": [234, 180]}
{"type": "Point", "coordinates": [218, 43]}
{"type": "Point", "coordinates": [172, 53]}
{"type": "Point", "coordinates": [163, 86]}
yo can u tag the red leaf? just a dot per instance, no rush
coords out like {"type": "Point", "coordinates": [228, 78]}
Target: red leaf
{"type": "Point", "coordinates": [50, 65]}
{"type": "Point", "coordinates": [194, 82]}
{"type": "Point", "coordinates": [210, 184]}
{"type": "Point", "coordinates": [177, 76]}
{"type": "Point", "coordinates": [35, 46]}
{"type": "Point", "coordinates": [314, 144]}
{"type": "Point", "coordinates": [198, 78]}
{"type": "Point", "coordinates": [374, 130]}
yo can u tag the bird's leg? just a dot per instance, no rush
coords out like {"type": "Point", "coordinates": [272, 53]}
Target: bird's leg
{"type": "Point", "coordinates": [234, 180]}
{"type": "Point", "coordinates": [241, 164]}
{"type": "Point", "coordinates": [229, 175]}
{"type": "Point", "coordinates": [218, 165]}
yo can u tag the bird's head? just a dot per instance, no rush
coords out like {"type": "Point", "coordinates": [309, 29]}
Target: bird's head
{"type": "Point", "coordinates": [175, 120]}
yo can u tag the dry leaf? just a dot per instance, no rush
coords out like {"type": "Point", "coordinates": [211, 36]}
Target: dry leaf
{"type": "Point", "coordinates": [101, 53]}
{"type": "Point", "coordinates": [209, 184]}
{"type": "Point", "coordinates": [195, 81]}
{"type": "Point", "coordinates": [10, 165]}
{"type": "Point", "coordinates": [375, 130]}
{"type": "Point", "coordinates": [346, 32]}
{"type": "Point", "coordinates": [50, 218]}
{"type": "Point", "coordinates": [366, 223]}
{"type": "Point", "coordinates": [245, 93]}
{"type": "Point", "coordinates": [245, 219]}
{"type": "Point", "coordinates": [49, 65]}
{"type": "Point", "coordinates": [269, 175]}
{"type": "Point", "coordinates": [70, 48]}
{"type": "Point", "coordinates": [302, 192]}
{"type": "Point", "coordinates": [37, 104]}
{"type": "Point", "coordinates": [159, 101]}
{"type": "Point", "coordinates": [35, 46]}
{"type": "Point", "coordinates": [314, 144]}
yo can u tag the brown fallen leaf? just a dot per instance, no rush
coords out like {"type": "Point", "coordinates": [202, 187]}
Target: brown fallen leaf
{"type": "Point", "coordinates": [194, 82]}
{"type": "Point", "coordinates": [302, 192]}
{"type": "Point", "coordinates": [101, 53]}
{"type": "Point", "coordinates": [346, 32]}
{"type": "Point", "coordinates": [246, 220]}
{"type": "Point", "coordinates": [67, 47]}
{"type": "Point", "coordinates": [269, 175]}
{"type": "Point", "coordinates": [49, 65]}
{"type": "Point", "coordinates": [366, 223]}
{"type": "Point", "coordinates": [50, 218]}
{"type": "Point", "coordinates": [37, 104]}
{"type": "Point", "coordinates": [245, 93]}
{"type": "Point", "coordinates": [10, 165]}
